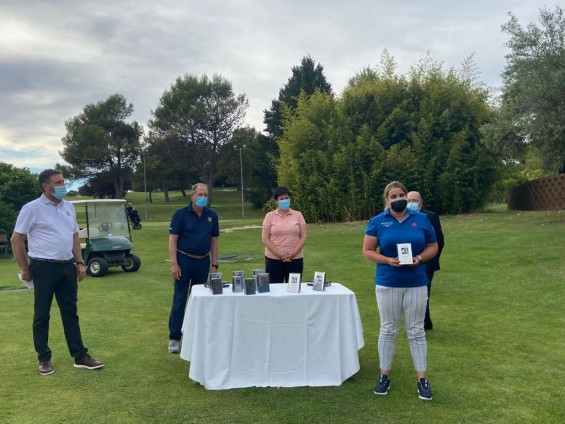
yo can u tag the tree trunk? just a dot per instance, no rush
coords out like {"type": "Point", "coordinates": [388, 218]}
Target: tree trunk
{"type": "Point", "coordinates": [210, 183]}
{"type": "Point", "coordinates": [118, 184]}
{"type": "Point", "coordinates": [166, 193]}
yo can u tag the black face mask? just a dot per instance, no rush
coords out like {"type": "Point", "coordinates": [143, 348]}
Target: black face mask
{"type": "Point", "coordinates": [398, 205]}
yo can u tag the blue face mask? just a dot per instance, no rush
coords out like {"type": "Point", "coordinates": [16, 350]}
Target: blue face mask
{"type": "Point", "coordinates": [284, 204]}
{"type": "Point", "coordinates": [60, 192]}
{"type": "Point", "coordinates": [414, 206]}
{"type": "Point", "coordinates": [201, 202]}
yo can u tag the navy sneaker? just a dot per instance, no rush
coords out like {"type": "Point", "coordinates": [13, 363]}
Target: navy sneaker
{"type": "Point", "coordinates": [383, 384]}
{"type": "Point", "coordinates": [424, 389]}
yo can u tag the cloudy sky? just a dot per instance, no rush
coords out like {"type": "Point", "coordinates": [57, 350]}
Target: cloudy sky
{"type": "Point", "coordinates": [58, 56]}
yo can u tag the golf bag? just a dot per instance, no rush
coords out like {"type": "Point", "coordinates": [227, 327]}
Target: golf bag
{"type": "Point", "coordinates": [134, 217]}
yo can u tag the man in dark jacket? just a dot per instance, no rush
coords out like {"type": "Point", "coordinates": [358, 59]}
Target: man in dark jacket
{"type": "Point", "coordinates": [415, 202]}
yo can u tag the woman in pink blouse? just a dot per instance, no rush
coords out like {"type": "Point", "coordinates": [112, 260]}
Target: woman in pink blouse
{"type": "Point", "coordinates": [284, 236]}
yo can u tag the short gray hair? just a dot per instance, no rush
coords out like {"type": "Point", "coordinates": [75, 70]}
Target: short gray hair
{"type": "Point", "coordinates": [195, 187]}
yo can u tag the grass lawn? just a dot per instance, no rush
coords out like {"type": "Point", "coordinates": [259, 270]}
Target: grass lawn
{"type": "Point", "coordinates": [496, 354]}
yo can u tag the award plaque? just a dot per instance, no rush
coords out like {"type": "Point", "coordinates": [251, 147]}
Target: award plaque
{"type": "Point", "coordinates": [250, 286]}
{"type": "Point", "coordinates": [404, 253]}
{"type": "Point", "coordinates": [238, 283]}
{"type": "Point", "coordinates": [263, 283]}
{"type": "Point", "coordinates": [319, 281]}
{"type": "Point", "coordinates": [216, 285]}
{"type": "Point", "coordinates": [215, 275]}
{"type": "Point", "coordinates": [293, 283]}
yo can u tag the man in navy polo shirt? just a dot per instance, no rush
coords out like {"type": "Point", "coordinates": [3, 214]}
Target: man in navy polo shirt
{"type": "Point", "coordinates": [193, 250]}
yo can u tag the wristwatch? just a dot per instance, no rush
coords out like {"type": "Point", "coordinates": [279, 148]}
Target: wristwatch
{"type": "Point", "coordinates": [419, 257]}
{"type": "Point", "coordinates": [79, 262]}
{"type": "Point", "coordinates": [215, 265]}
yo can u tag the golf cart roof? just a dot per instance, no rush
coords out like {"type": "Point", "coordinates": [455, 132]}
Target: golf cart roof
{"type": "Point", "coordinates": [98, 201]}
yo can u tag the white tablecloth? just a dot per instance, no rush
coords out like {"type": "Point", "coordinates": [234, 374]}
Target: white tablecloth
{"type": "Point", "coordinates": [275, 339]}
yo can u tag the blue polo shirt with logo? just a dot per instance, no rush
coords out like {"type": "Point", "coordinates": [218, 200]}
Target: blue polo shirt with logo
{"type": "Point", "coordinates": [417, 230]}
{"type": "Point", "coordinates": [195, 232]}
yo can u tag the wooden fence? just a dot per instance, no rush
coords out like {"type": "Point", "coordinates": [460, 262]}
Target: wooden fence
{"type": "Point", "coordinates": [545, 194]}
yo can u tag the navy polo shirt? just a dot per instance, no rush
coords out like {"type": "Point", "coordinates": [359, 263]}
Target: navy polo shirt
{"type": "Point", "coordinates": [417, 230]}
{"type": "Point", "coordinates": [195, 232]}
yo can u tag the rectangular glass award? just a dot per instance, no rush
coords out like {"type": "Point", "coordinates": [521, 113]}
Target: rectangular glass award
{"type": "Point", "coordinates": [293, 283]}
{"type": "Point", "coordinates": [238, 283]}
{"type": "Point", "coordinates": [319, 281]}
{"type": "Point", "coordinates": [404, 253]}
{"type": "Point", "coordinates": [250, 286]}
{"type": "Point", "coordinates": [263, 282]}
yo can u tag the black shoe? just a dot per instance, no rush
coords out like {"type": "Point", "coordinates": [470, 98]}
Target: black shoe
{"type": "Point", "coordinates": [45, 368]}
{"type": "Point", "coordinates": [88, 362]}
{"type": "Point", "coordinates": [424, 389]}
{"type": "Point", "coordinates": [383, 384]}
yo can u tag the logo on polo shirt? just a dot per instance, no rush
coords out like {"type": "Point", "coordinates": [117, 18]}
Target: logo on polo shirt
{"type": "Point", "coordinates": [386, 224]}
{"type": "Point", "coordinates": [209, 219]}
{"type": "Point", "coordinates": [414, 224]}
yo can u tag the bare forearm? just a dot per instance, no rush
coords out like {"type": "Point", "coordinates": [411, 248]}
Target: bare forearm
{"type": "Point", "coordinates": [20, 253]}
{"type": "Point", "coordinates": [273, 249]}
{"type": "Point", "coordinates": [375, 256]}
{"type": "Point", "coordinates": [214, 250]}
{"type": "Point", "coordinates": [77, 251]}
{"type": "Point", "coordinates": [299, 246]}
{"type": "Point", "coordinates": [18, 247]}
{"type": "Point", "coordinates": [173, 250]}
{"type": "Point", "coordinates": [429, 252]}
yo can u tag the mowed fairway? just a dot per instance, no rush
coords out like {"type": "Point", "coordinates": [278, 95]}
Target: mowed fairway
{"type": "Point", "coordinates": [496, 354]}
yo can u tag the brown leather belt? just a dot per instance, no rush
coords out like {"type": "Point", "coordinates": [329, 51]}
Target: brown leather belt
{"type": "Point", "coordinates": [190, 255]}
{"type": "Point", "coordinates": [55, 261]}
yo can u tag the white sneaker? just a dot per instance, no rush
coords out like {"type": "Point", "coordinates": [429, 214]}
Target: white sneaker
{"type": "Point", "coordinates": [174, 346]}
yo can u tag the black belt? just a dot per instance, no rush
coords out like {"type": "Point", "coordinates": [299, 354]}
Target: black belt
{"type": "Point", "coordinates": [190, 255]}
{"type": "Point", "coordinates": [55, 261]}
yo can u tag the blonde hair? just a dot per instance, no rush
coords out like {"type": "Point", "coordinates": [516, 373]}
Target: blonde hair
{"type": "Point", "coordinates": [390, 186]}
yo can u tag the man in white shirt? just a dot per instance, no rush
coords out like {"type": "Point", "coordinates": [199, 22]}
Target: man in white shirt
{"type": "Point", "coordinates": [55, 265]}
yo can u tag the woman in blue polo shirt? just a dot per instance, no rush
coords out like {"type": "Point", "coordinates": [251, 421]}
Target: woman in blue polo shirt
{"type": "Point", "coordinates": [400, 289]}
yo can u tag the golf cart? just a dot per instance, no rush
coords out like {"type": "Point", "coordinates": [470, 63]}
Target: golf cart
{"type": "Point", "coordinates": [105, 236]}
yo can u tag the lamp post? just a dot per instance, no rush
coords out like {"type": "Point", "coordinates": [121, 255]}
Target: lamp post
{"type": "Point", "coordinates": [145, 183]}
{"type": "Point", "coordinates": [241, 176]}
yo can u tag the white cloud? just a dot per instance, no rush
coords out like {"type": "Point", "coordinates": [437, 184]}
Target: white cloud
{"type": "Point", "coordinates": [56, 57]}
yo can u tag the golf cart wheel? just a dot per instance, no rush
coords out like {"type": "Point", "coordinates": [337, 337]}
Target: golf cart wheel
{"type": "Point", "coordinates": [132, 263]}
{"type": "Point", "coordinates": [97, 267]}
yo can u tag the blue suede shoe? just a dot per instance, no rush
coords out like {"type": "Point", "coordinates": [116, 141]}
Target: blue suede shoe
{"type": "Point", "coordinates": [424, 389]}
{"type": "Point", "coordinates": [383, 384]}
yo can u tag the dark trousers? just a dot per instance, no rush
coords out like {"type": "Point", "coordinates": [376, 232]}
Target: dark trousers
{"type": "Point", "coordinates": [59, 280]}
{"type": "Point", "coordinates": [193, 271]}
{"type": "Point", "coordinates": [279, 270]}
{"type": "Point", "coordinates": [428, 325]}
